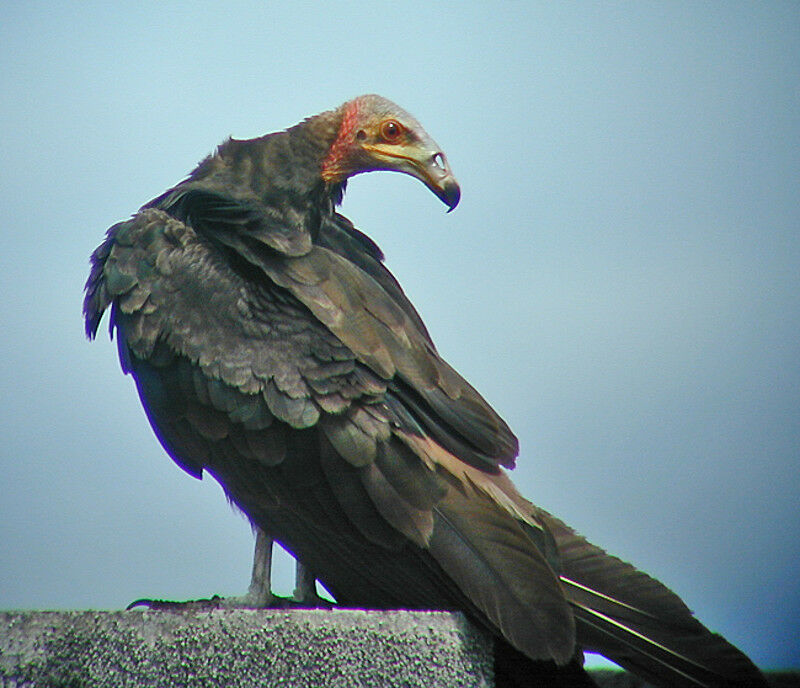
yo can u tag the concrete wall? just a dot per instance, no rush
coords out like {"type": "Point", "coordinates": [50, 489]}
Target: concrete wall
{"type": "Point", "coordinates": [297, 649]}
{"type": "Point", "coordinates": [248, 648]}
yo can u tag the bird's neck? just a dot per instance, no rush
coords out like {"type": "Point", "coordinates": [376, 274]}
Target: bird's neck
{"type": "Point", "coordinates": [285, 167]}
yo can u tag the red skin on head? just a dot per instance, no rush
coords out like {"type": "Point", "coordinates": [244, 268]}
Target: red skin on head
{"type": "Point", "coordinates": [334, 167]}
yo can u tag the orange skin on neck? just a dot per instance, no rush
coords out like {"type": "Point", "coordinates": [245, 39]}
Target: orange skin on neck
{"type": "Point", "coordinates": [334, 167]}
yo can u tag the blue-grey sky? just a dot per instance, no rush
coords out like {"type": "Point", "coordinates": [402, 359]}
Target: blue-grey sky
{"type": "Point", "coordinates": [621, 279]}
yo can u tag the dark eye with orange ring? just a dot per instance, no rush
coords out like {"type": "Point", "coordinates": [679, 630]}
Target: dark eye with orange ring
{"type": "Point", "coordinates": [392, 131]}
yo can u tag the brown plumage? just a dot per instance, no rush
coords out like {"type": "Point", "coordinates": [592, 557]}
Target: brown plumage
{"type": "Point", "coordinates": [272, 349]}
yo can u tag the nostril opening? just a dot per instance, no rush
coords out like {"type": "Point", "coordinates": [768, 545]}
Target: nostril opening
{"type": "Point", "coordinates": [439, 161]}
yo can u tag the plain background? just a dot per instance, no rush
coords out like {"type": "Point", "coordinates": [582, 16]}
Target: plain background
{"type": "Point", "coordinates": [621, 279]}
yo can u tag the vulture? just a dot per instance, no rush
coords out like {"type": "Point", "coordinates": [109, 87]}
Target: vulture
{"type": "Point", "coordinates": [272, 349]}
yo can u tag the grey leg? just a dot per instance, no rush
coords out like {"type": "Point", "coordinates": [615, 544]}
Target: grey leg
{"type": "Point", "coordinates": [259, 594]}
{"type": "Point", "coordinates": [305, 588]}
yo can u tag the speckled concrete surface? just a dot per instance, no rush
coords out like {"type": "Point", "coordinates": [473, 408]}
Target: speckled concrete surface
{"type": "Point", "coordinates": [297, 649]}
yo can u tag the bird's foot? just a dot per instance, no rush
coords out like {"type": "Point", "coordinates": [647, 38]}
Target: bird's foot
{"type": "Point", "coordinates": [305, 591]}
{"type": "Point", "coordinates": [214, 602]}
{"type": "Point", "coordinates": [310, 602]}
{"type": "Point", "coordinates": [254, 599]}
{"type": "Point", "coordinates": [241, 602]}
{"type": "Point", "coordinates": [259, 595]}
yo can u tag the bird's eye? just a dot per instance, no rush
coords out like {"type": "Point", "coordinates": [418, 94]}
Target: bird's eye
{"type": "Point", "coordinates": [391, 131]}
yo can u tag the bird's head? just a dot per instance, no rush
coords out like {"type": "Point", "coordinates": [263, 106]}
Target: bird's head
{"type": "Point", "coordinates": [376, 134]}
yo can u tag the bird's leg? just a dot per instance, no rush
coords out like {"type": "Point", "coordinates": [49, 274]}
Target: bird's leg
{"type": "Point", "coordinates": [305, 586]}
{"type": "Point", "coordinates": [259, 594]}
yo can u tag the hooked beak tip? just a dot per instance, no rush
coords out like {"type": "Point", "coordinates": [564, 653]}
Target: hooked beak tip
{"type": "Point", "coordinates": [450, 194]}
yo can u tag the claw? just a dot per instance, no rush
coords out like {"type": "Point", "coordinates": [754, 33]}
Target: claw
{"type": "Point", "coordinates": [213, 602]}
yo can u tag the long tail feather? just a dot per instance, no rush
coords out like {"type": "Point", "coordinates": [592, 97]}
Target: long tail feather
{"type": "Point", "coordinates": [639, 623]}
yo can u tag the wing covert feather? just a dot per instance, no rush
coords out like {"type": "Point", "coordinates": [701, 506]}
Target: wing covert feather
{"type": "Point", "coordinates": [167, 285]}
{"type": "Point", "coordinates": [379, 333]}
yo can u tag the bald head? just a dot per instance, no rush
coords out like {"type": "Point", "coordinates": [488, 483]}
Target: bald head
{"type": "Point", "coordinates": [377, 134]}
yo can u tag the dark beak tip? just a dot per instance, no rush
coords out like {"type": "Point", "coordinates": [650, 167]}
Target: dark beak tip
{"type": "Point", "coordinates": [451, 195]}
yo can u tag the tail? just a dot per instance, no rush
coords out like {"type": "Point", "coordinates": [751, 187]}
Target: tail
{"type": "Point", "coordinates": [639, 623]}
